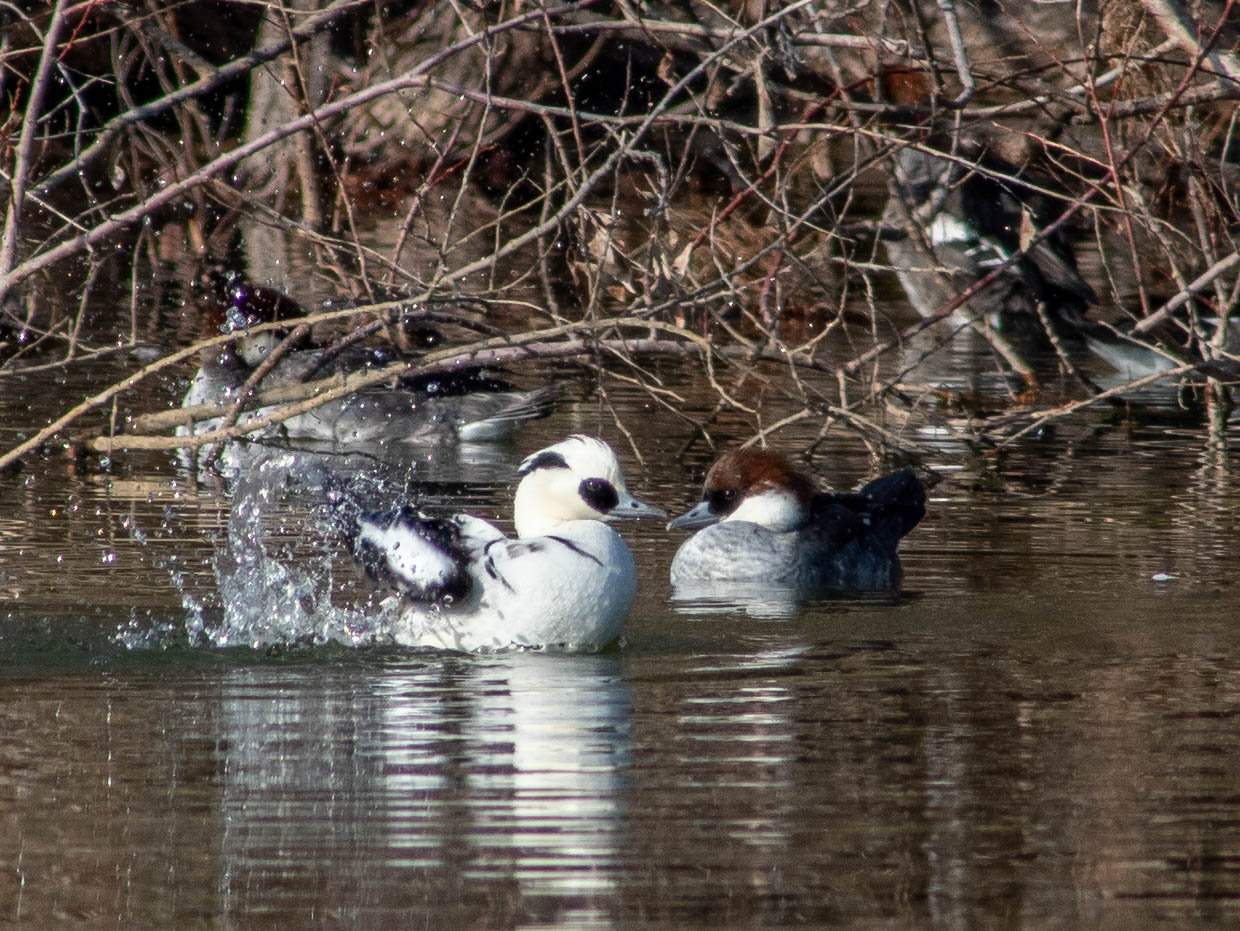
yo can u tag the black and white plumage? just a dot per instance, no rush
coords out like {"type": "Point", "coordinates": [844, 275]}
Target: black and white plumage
{"type": "Point", "coordinates": [973, 219]}
{"type": "Point", "coordinates": [762, 522]}
{"type": "Point", "coordinates": [407, 550]}
{"type": "Point", "coordinates": [566, 581]}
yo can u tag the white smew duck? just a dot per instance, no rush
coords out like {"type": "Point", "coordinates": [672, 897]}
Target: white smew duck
{"type": "Point", "coordinates": [565, 582]}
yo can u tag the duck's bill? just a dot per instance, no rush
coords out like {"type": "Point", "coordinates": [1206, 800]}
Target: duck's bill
{"type": "Point", "coordinates": [629, 506]}
{"type": "Point", "coordinates": [696, 517]}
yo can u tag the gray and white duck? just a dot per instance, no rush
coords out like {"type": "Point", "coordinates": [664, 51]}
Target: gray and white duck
{"type": "Point", "coordinates": [762, 521]}
{"type": "Point", "coordinates": [467, 405]}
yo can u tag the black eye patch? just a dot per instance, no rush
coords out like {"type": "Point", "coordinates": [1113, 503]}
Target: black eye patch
{"type": "Point", "coordinates": [599, 494]}
{"type": "Point", "coordinates": [545, 460]}
{"type": "Point", "coordinates": [721, 501]}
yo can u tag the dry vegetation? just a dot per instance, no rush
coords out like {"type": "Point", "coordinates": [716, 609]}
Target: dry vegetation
{"type": "Point", "coordinates": [610, 180]}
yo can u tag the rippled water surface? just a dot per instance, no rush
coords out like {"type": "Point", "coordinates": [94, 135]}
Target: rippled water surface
{"type": "Point", "coordinates": [1040, 730]}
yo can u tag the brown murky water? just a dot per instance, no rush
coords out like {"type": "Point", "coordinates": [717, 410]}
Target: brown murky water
{"type": "Point", "coordinates": [1041, 730]}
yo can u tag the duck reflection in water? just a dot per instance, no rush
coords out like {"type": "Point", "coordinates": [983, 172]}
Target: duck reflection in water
{"type": "Point", "coordinates": [394, 778]}
{"type": "Point", "coordinates": [765, 529]}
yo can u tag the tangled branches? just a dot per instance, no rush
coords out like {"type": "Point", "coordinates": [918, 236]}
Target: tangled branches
{"type": "Point", "coordinates": [616, 180]}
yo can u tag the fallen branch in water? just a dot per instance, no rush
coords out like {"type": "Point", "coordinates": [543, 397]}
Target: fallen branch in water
{"type": "Point", "coordinates": [341, 387]}
{"type": "Point", "coordinates": [567, 341]}
{"type": "Point", "coordinates": [500, 350]}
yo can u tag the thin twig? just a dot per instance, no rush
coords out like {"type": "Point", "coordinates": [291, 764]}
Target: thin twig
{"type": "Point", "coordinates": [25, 143]}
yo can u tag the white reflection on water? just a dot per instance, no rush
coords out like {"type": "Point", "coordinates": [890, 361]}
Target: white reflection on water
{"type": "Point", "coordinates": [500, 775]}
{"type": "Point", "coordinates": [756, 599]}
{"type": "Point", "coordinates": [555, 808]}
{"type": "Point", "coordinates": [947, 798]}
{"type": "Point", "coordinates": [743, 738]}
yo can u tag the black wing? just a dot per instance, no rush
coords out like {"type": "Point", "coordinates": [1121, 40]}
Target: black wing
{"type": "Point", "coordinates": [885, 509]}
{"type": "Point", "coordinates": [403, 549]}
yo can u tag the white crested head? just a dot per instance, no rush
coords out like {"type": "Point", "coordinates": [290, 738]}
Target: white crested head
{"type": "Point", "coordinates": [576, 479]}
{"type": "Point", "coordinates": [751, 485]}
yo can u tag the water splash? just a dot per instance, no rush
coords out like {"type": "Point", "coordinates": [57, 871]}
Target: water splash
{"type": "Point", "coordinates": [275, 574]}
{"type": "Point", "coordinates": [282, 575]}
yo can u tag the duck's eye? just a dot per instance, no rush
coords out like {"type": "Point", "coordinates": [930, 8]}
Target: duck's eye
{"type": "Point", "coordinates": [721, 501]}
{"type": "Point", "coordinates": [599, 494]}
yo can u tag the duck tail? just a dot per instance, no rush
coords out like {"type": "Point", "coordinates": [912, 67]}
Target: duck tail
{"type": "Point", "coordinates": [898, 500]}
